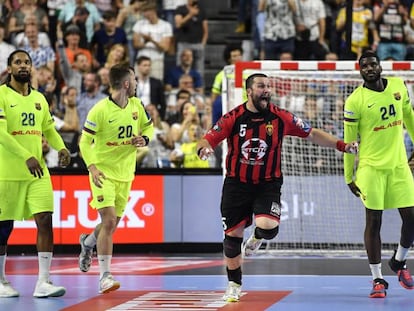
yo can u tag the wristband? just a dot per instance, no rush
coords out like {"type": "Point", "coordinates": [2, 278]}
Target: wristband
{"type": "Point", "coordinates": [340, 145]}
{"type": "Point", "coordinates": [146, 140]}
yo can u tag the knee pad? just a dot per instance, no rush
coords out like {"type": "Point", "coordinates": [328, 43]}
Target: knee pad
{"type": "Point", "coordinates": [266, 234]}
{"type": "Point", "coordinates": [232, 246]}
{"type": "Point", "coordinates": [6, 228]}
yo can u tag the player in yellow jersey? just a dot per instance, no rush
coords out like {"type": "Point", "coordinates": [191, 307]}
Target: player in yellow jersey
{"type": "Point", "coordinates": [25, 184]}
{"type": "Point", "coordinates": [115, 127]}
{"type": "Point", "coordinates": [376, 112]}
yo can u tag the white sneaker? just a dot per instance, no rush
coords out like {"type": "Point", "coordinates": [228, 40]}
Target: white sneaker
{"type": "Point", "coordinates": [108, 284]}
{"type": "Point", "coordinates": [233, 292]}
{"type": "Point", "coordinates": [252, 245]}
{"type": "Point", "coordinates": [7, 291]}
{"type": "Point", "coordinates": [46, 289]}
{"type": "Point", "coordinates": [85, 257]}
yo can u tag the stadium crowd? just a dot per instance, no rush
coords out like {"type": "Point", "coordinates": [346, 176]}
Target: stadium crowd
{"type": "Point", "coordinates": [74, 43]}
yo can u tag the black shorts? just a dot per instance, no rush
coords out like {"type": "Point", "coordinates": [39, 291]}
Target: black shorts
{"type": "Point", "coordinates": [240, 201]}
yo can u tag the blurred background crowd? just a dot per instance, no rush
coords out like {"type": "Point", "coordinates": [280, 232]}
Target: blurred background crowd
{"type": "Point", "coordinates": [172, 45]}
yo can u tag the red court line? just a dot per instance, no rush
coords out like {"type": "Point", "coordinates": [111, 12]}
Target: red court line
{"type": "Point", "coordinates": [179, 301]}
{"type": "Point", "coordinates": [120, 265]}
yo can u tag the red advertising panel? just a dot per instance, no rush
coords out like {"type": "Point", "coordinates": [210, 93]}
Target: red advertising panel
{"type": "Point", "coordinates": [142, 221]}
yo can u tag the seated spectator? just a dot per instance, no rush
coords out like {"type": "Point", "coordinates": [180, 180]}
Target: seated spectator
{"type": "Point", "coordinates": [116, 55]}
{"type": "Point", "coordinates": [20, 39]}
{"type": "Point", "coordinates": [149, 89]}
{"type": "Point", "coordinates": [104, 38]}
{"type": "Point", "coordinates": [17, 19]}
{"type": "Point", "coordinates": [185, 67]}
{"type": "Point", "coordinates": [186, 83]}
{"type": "Point", "coordinates": [173, 111]}
{"type": "Point", "coordinates": [161, 145]}
{"type": "Point", "coordinates": [186, 156]}
{"type": "Point", "coordinates": [41, 56]}
{"type": "Point", "coordinates": [5, 50]}
{"type": "Point", "coordinates": [179, 130]}
{"type": "Point", "coordinates": [103, 74]}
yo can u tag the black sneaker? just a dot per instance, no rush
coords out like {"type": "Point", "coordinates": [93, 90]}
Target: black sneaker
{"type": "Point", "coordinates": [404, 275]}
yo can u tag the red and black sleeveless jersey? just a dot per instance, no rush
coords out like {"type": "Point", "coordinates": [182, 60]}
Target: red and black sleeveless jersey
{"type": "Point", "coordinates": [254, 141]}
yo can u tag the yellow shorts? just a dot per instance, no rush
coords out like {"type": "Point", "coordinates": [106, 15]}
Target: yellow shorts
{"type": "Point", "coordinates": [20, 200]}
{"type": "Point", "coordinates": [112, 194]}
{"type": "Point", "coordinates": [386, 189]}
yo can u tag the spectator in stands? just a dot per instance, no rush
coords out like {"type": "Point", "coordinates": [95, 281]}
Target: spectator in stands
{"type": "Point", "coordinates": [72, 74]}
{"type": "Point", "coordinates": [72, 36]}
{"type": "Point", "coordinates": [20, 40]}
{"type": "Point", "coordinates": [126, 19]}
{"type": "Point", "coordinates": [232, 53]}
{"type": "Point", "coordinates": [44, 80]}
{"type": "Point", "coordinates": [363, 29]}
{"type": "Point", "coordinates": [17, 19]}
{"type": "Point", "coordinates": [89, 97]}
{"type": "Point", "coordinates": [186, 83]}
{"type": "Point", "coordinates": [161, 144]}
{"type": "Point", "coordinates": [5, 12]}
{"type": "Point", "coordinates": [82, 13]}
{"type": "Point", "coordinates": [152, 37]}
{"type": "Point", "coordinates": [168, 9]}
{"type": "Point", "coordinates": [390, 17]}
{"type": "Point", "coordinates": [105, 37]}
{"type": "Point", "coordinates": [5, 50]}
{"type": "Point", "coordinates": [116, 55]}
{"type": "Point", "coordinates": [185, 67]}
{"type": "Point", "coordinates": [173, 108]}
{"type": "Point", "coordinates": [310, 38]}
{"type": "Point", "coordinates": [186, 156]}
{"type": "Point", "coordinates": [103, 74]}
{"type": "Point", "coordinates": [40, 55]}
{"type": "Point", "coordinates": [191, 32]}
{"type": "Point", "coordinates": [188, 115]}
{"type": "Point", "coordinates": [279, 28]}
{"type": "Point", "coordinates": [149, 89]}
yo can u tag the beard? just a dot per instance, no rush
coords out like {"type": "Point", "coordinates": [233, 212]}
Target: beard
{"type": "Point", "coordinates": [258, 103]}
{"type": "Point", "coordinates": [22, 77]}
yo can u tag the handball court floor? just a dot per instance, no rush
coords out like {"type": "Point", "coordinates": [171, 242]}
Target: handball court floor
{"type": "Point", "coordinates": [197, 282]}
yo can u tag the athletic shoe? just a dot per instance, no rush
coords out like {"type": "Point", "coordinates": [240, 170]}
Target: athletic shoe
{"type": "Point", "coordinates": [404, 275]}
{"type": "Point", "coordinates": [108, 284]}
{"type": "Point", "coordinates": [252, 245]}
{"type": "Point", "coordinates": [379, 288]}
{"type": "Point", "coordinates": [233, 292]}
{"type": "Point", "coordinates": [7, 291]}
{"type": "Point", "coordinates": [85, 257]}
{"type": "Point", "coordinates": [46, 289]}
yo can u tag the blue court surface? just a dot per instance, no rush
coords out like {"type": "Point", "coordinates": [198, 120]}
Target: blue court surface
{"type": "Point", "coordinates": [193, 282]}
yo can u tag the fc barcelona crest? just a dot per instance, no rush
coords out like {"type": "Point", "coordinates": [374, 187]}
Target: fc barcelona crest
{"type": "Point", "coordinates": [397, 96]}
{"type": "Point", "coordinates": [135, 115]}
{"type": "Point", "coordinates": [38, 106]}
{"type": "Point", "coordinates": [269, 129]}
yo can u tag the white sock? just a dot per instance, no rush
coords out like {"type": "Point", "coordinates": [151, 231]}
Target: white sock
{"type": "Point", "coordinates": [104, 264]}
{"type": "Point", "coordinates": [3, 268]}
{"type": "Point", "coordinates": [376, 271]}
{"type": "Point", "coordinates": [401, 253]}
{"type": "Point", "coordinates": [45, 260]}
{"type": "Point", "coordinates": [90, 240]}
